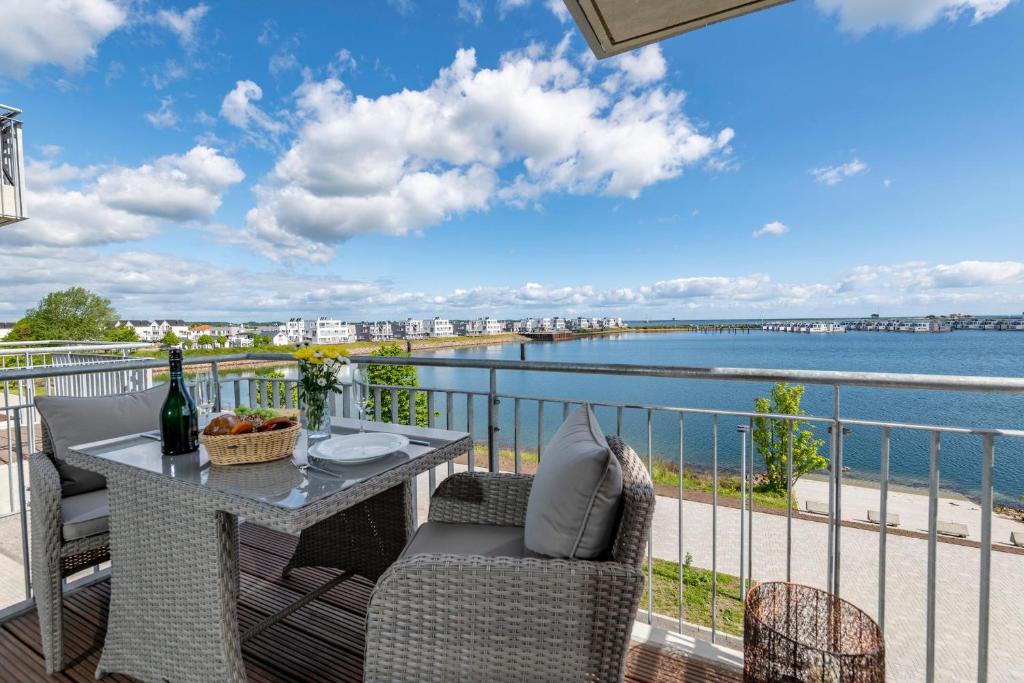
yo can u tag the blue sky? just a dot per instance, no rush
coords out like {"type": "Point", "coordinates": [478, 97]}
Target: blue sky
{"type": "Point", "coordinates": [255, 160]}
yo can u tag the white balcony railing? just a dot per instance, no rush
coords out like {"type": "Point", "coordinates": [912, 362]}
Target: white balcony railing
{"type": "Point", "coordinates": [932, 597]}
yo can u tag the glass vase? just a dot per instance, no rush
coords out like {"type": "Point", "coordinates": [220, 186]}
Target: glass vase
{"type": "Point", "coordinates": [316, 415]}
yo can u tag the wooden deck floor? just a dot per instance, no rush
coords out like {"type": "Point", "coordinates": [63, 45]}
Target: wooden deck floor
{"type": "Point", "coordinates": [323, 641]}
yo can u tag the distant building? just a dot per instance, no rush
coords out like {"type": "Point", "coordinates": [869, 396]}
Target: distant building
{"type": "Point", "coordinates": [441, 327]}
{"type": "Point", "coordinates": [295, 330]}
{"type": "Point", "coordinates": [145, 330]}
{"type": "Point", "coordinates": [178, 327]}
{"type": "Point", "coordinates": [5, 329]}
{"type": "Point", "coordinates": [280, 339]}
{"type": "Point", "coordinates": [581, 324]}
{"type": "Point", "coordinates": [325, 330]}
{"type": "Point", "coordinates": [558, 324]}
{"type": "Point", "coordinates": [611, 323]}
{"type": "Point", "coordinates": [484, 326]}
{"type": "Point", "coordinates": [378, 332]}
{"type": "Point", "coordinates": [414, 329]}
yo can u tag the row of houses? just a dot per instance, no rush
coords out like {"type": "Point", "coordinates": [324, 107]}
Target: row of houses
{"type": "Point", "coordinates": [327, 330]}
{"type": "Point", "coordinates": [212, 336]}
{"type": "Point", "coordinates": [933, 324]}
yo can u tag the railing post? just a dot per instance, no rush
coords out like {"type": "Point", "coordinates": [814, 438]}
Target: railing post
{"type": "Point", "coordinates": [743, 507]}
{"type": "Point", "coordinates": [19, 447]}
{"type": "Point", "coordinates": [215, 378]}
{"type": "Point", "coordinates": [985, 580]}
{"type": "Point", "coordinates": [494, 462]}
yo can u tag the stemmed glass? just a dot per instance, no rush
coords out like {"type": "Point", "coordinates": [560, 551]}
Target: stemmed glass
{"type": "Point", "coordinates": [361, 380]}
{"type": "Point", "coordinates": [202, 382]}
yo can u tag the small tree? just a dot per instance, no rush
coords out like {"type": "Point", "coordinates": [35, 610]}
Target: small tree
{"type": "Point", "coordinates": [395, 376]}
{"type": "Point", "coordinates": [205, 340]}
{"type": "Point", "coordinates": [74, 313]}
{"type": "Point", "coordinates": [170, 339]}
{"type": "Point", "coordinates": [771, 437]}
{"type": "Point", "coordinates": [122, 333]}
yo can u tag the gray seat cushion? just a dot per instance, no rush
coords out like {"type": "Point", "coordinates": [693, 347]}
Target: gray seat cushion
{"type": "Point", "coordinates": [574, 501]}
{"type": "Point", "coordinates": [84, 515]}
{"type": "Point", "coordinates": [468, 539]}
{"type": "Point", "coordinates": [69, 421]}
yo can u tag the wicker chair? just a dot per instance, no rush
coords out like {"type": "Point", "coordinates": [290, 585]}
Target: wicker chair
{"type": "Point", "coordinates": [53, 557]}
{"type": "Point", "coordinates": [441, 616]}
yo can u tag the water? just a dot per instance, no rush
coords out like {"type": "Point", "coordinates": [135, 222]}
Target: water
{"type": "Point", "coordinates": [958, 353]}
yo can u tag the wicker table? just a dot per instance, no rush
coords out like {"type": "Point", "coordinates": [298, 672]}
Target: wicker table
{"type": "Point", "coordinates": [174, 540]}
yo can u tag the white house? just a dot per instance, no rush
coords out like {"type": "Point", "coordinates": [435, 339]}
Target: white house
{"type": "Point", "coordinates": [295, 330]}
{"type": "Point", "coordinates": [146, 330]}
{"type": "Point", "coordinates": [380, 332]}
{"type": "Point", "coordinates": [325, 330]}
{"type": "Point", "coordinates": [280, 339]}
{"type": "Point", "coordinates": [582, 324]}
{"type": "Point", "coordinates": [441, 327]}
{"type": "Point", "coordinates": [178, 327]}
{"type": "Point", "coordinates": [611, 322]}
{"type": "Point", "coordinates": [415, 329]}
{"type": "Point", "coordinates": [5, 329]}
{"type": "Point", "coordinates": [484, 326]}
{"type": "Point", "coordinates": [558, 324]}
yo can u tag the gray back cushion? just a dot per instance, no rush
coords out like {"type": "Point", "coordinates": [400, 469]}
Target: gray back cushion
{"type": "Point", "coordinates": [68, 421]}
{"type": "Point", "coordinates": [574, 500]}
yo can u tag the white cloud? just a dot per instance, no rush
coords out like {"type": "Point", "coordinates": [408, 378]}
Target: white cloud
{"type": "Point", "coordinates": [136, 281]}
{"type": "Point", "coordinates": [862, 16]}
{"type": "Point", "coordinates": [774, 229]}
{"type": "Point", "coordinates": [61, 32]}
{"type": "Point", "coordinates": [405, 161]}
{"type": "Point", "coordinates": [75, 206]}
{"type": "Point", "coordinates": [833, 175]}
{"type": "Point", "coordinates": [239, 110]}
{"type": "Point", "coordinates": [283, 61]}
{"type": "Point", "coordinates": [471, 11]}
{"type": "Point", "coordinates": [164, 117]}
{"type": "Point", "coordinates": [642, 66]}
{"type": "Point", "coordinates": [175, 187]}
{"type": "Point", "coordinates": [183, 24]}
{"type": "Point", "coordinates": [559, 9]}
{"type": "Point", "coordinates": [403, 7]}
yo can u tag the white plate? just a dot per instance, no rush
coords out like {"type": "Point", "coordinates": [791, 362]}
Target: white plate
{"type": "Point", "coordinates": [354, 449]}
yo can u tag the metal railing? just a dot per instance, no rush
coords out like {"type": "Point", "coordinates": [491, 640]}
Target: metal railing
{"type": "Point", "coordinates": [456, 408]}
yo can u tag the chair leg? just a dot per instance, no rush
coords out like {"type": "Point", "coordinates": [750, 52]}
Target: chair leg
{"type": "Point", "coordinates": [46, 583]}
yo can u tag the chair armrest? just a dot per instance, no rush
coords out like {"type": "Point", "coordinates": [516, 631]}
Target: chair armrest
{"type": "Point", "coordinates": [45, 490]}
{"type": "Point", "coordinates": [482, 498]}
{"type": "Point", "coordinates": [455, 617]}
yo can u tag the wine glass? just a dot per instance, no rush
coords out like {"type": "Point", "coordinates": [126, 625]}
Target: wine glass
{"type": "Point", "coordinates": [361, 382]}
{"type": "Point", "coordinates": [204, 392]}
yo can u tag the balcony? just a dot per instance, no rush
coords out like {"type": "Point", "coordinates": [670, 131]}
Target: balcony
{"type": "Point", "coordinates": [946, 604]}
{"type": "Point", "coordinates": [11, 165]}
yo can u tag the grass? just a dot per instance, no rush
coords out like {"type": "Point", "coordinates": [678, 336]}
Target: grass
{"type": "Point", "coordinates": [665, 474]}
{"type": "Point", "coordinates": [696, 595]}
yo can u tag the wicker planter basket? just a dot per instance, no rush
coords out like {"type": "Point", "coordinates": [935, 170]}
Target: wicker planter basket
{"type": "Point", "coordinates": [799, 634]}
{"type": "Point", "coordinates": [242, 449]}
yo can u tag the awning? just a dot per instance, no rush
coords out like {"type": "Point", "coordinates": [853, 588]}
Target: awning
{"type": "Point", "coordinates": [614, 26]}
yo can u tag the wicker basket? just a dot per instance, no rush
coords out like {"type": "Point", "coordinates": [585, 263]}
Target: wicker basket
{"type": "Point", "coordinates": [242, 449]}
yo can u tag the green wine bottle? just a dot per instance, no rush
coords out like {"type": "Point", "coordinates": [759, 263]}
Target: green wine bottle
{"type": "Point", "coordinates": [179, 419]}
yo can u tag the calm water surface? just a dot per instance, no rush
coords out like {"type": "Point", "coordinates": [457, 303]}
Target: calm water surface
{"type": "Point", "coordinates": [957, 353]}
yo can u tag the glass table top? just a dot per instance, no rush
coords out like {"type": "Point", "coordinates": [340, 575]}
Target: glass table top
{"type": "Point", "coordinates": [290, 483]}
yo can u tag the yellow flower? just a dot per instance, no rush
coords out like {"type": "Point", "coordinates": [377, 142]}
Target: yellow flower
{"type": "Point", "coordinates": [318, 354]}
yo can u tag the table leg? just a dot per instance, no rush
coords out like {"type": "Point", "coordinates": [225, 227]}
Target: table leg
{"type": "Point", "coordinates": [174, 586]}
{"type": "Point", "coordinates": [364, 539]}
